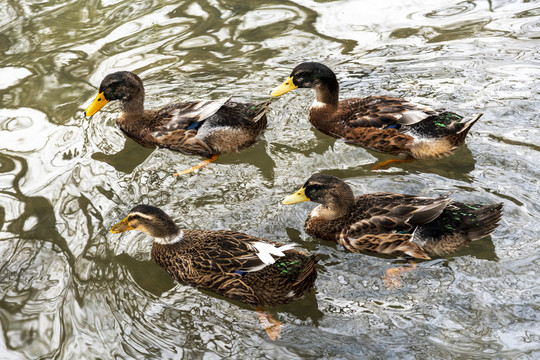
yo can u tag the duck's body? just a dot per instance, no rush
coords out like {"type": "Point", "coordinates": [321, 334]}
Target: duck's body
{"type": "Point", "coordinates": [381, 123]}
{"type": "Point", "coordinates": [223, 262]}
{"type": "Point", "coordinates": [391, 223]}
{"type": "Point", "coordinates": [252, 270]}
{"type": "Point", "coordinates": [206, 128]}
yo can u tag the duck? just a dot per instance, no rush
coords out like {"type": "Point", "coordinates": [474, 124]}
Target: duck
{"type": "Point", "coordinates": [242, 267]}
{"type": "Point", "coordinates": [203, 127]}
{"type": "Point", "coordinates": [388, 223]}
{"type": "Point", "coordinates": [381, 123]}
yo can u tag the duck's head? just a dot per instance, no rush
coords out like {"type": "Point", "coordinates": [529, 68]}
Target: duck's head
{"type": "Point", "coordinates": [122, 85]}
{"type": "Point", "coordinates": [331, 192]}
{"type": "Point", "coordinates": [150, 220]}
{"type": "Point", "coordinates": [308, 75]}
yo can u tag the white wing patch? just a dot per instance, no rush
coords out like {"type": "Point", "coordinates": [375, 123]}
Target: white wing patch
{"type": "Point", "coordinates": [410, 117]}
{"type": "Point", "coordinates": [203, 110]}
{"type": "Point", "coordinates": [208, 108]}
{"type": "Point", "coordinates": [415, 114]}
{"type": "Point", "coordinates": [266, 250]}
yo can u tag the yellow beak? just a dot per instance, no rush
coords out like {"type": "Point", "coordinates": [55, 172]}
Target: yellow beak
{"type": "Point", "coordinates": [287, 86]}
{"type": "Point", "coordinates": [121, 227]}
{"type": "Point", "coordinates": [98, 103]}
{"type": "Point", "coordinates": [297, 197]}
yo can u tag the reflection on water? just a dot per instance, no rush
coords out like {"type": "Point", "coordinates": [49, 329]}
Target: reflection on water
{"type": "Point", "coordinates": [67, 287]}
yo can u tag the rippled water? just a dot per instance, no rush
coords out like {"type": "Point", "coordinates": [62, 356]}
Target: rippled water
{"type": "Point", "coordinates": [70, 289]}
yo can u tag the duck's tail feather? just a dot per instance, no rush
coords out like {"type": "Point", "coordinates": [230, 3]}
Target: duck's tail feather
{"type": "Point", "coordinates": [468, 122]}
{"type": "Point", "coordinates": [487, 220]}
{"type": "Point", "coordinates": [262, 109]}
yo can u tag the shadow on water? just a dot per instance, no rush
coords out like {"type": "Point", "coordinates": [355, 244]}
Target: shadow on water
{"type": "Point", "coordinates": [457, 166]}
{"type": "Point", "coordinates": [255, 155]}
{"type": "Point", "coordinates": [127, 159]}
{"type": "Point", "coordinates": [36, 207]}
{"type": "Point", "coordinates": [147, 274]}
{"type": "Point", "coordinates": [480, 249]}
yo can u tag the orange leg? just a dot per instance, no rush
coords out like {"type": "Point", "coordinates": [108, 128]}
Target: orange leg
{"type": "Point", "coordinates": [392, 278]}
{"type": "Point", "coordinates": [386, 164]}
{"type": "Point", "coordinates": [271, 326]}
{"type": "Point", "coordinates": [198, 166]}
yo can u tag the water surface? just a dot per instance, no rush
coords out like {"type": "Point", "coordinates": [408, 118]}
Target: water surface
{"type": "Point", "coordinates": [70, 289]}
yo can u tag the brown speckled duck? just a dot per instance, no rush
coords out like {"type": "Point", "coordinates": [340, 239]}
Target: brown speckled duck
{"type": "Point", "coordinates": [381, 123]}
{"type": "Point", "coordinates": [207, 128]}
{"type": "Point", "coordinates": [252, 270]}
{"type": "Point", "coordinates": [390, 223]}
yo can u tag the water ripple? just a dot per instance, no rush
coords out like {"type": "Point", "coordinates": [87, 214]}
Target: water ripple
{"type": "Point", "coordinates": [70, 287]}
{"type": "Point", "coordinates": [451, 10]}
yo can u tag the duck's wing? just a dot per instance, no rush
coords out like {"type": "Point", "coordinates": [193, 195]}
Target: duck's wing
{"type": "Point", "coordinates": [382, 112]}
{"type": "Point", "coordinates": [187, 115]}
{"type": "Point", "coordinates": [175, 126]}
{"type": "Point", "coordinates": [233, 252]}
{"type": "Point", "coordinates": [390, 212]}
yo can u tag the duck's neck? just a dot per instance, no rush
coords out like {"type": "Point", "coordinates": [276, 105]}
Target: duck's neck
{"type": "Point", "coordinates": [333, 210]}
{"type": "Point", "coordinates": [325, 107]}
{"type": "Point", "coordinates": [327, 94]}
{"type": "Point", "coordinates": [171, 239]}
{"type": "Point", "coordinates": [133, 119]}
{"type": "Point", "coordinates": [135, 105]}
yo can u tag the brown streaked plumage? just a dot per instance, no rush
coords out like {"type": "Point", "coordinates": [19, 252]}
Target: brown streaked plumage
{"type": "Point", "coordinates": [242, 267]}
{"type": "Point", "coordinates": [391, 223]}
{"type": "Point", "coordinates": [206, 128]}
{"type": "Point", "coordinates": [209, 259]}
{"type": "Point", "coordinates": [223, 261]}
{"type": "Point", "coordinates": [381, 123]}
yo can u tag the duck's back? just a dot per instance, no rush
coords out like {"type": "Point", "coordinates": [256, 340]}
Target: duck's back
{"type": "Point", "coordinates": [218, 261]}
{"type": "Point", "coordinates": [234, 127]}
{"type": "Point", "coordinates": [458, 225]}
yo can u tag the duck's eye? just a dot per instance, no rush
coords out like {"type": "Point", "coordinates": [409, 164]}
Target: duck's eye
{"type": "Point", "coordinates": [314, 188]}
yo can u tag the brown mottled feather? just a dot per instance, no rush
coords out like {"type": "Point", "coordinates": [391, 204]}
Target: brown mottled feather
{"type": "Point", "coordinates": [205, 128]}
{"type": "Point", "coordinates": [381, 123]}
{"type": "Point", "coordinates": [394, 223]}
{"type": "Point", "coordinates": [208, 259]}
{"type": "Point", "coordinates": [242, 267]}
{"type": "Point", "coordinates": [386, 243]}
{"type": "Point", "coordinates": [226, 262]}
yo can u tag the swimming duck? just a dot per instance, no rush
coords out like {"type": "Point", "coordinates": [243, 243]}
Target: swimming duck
{"type": "Point", "coordinates": [390, 223]}
{"type": "Point", "coordinates": [381, 123]}
{"type": "Point", "coordinates": [242, 267]}
{"type": "Point", "coordinates": [207, 127]}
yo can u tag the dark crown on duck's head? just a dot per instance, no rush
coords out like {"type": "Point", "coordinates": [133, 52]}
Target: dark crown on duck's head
{"type": "Point", "coordinates": [311, 74]}
{"type": "Point", "coordinates": [121, 85]}
{"type": "Point", "coordinates": [150, 220]}
{"type": "Point", "coordinates": [326, 189]}
{"type": "Point", "coordinates": [315, 76]}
